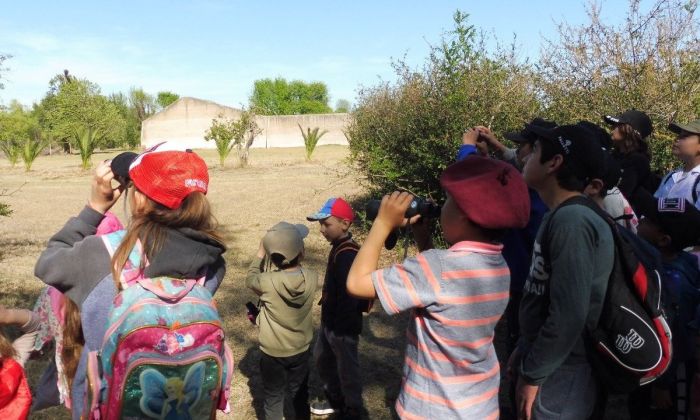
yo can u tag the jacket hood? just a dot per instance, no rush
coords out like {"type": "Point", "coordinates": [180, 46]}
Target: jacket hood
{"type": "Point", "coordinates": [185, 254]}
{"type": "Point", "coordinates": [294, 290]}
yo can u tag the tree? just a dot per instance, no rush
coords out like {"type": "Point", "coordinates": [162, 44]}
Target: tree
{"type": "Point", "coordinates": [228, 133]}
{"type": "Point", "coordinates": [403, 134]}
{"type": "Point", "coordinates": [222, 132]}
{"type": "Point", "coordinates": [33, 145]}
{"type": "Point", "coordinates": [73, 105]}
{"type": "Point", "coordinates": [342, 105]}
{"type": "Point", "coordinates": [15, 128]}
{"type": "Point", "coordinates": [142, 103]}
{"type": "Point", "coordinates": [311, 138]}
{"type": "Point", "coordinates": [246, 130]}
{"type": "Point", "coordinates": [648, 62]}
{"type": "Point", "coordinates": [279, 97]}
{"type": "Point", "coordinates": [3, 58]}
{"type": "Point", "coordinates": [132, 129]}
{"type": "Point", "coordinates": [87, 139]}
{"type": "Point", "coordinates": [166, 98]}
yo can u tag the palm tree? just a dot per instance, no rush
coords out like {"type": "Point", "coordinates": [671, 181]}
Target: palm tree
{"type": "Point", "coordinates": [311, 138]}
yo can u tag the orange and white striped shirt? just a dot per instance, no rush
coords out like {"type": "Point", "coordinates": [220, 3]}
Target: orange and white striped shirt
{"type": "Point", "coordinates": [456, 297]}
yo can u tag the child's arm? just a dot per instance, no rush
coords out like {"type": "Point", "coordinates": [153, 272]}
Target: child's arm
{"type": "Point", "coordinates": [391, 216]}
{"type": "Point", "coordinates": [25, 319]}
{"type": "Point", "coordinates": [74, 261]}
{"type": "Point", "coordinates": [252, 280]}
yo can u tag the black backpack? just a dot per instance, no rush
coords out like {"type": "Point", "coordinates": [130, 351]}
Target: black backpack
{"type": "Point", "coordinates": [631, 344]}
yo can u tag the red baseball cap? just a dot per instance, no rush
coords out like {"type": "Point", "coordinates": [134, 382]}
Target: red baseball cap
{"type": "Point", "coordinates": [167, 175]}
{"type": "Point", "coordinates": [335, 206]}
{"type": "Point", "coordinates": [491, 193]}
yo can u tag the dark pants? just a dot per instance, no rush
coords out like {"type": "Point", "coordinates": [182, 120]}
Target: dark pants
{"type": "Point", "coordinates": [568, 394]}
{"type": "Point", "coordinates": [339, 368]}
{"type": "Point", "coordinates": [285, 381]}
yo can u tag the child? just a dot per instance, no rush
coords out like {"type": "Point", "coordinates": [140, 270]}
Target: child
{"type": "Point", "coordinates": [286, 329]}
{"type": "Point", "coordinates": [630, 129]}
{"type": "Point", "coordinates": [335, 351]}
{"type": "Point", "coordinates": [685, 182]}
{"type": "Point", "coordinates": [170, 218]}
{"type": "Point", "coordinates": [563, 295]}
{"type": "Point", "coordinates": [456, 295]}
{"type": "Point", "coordinates": [15, 396]}
{"type": "Point", "coordinates": [672, 224]}
{"type": "Point", "coordinates": [60, 323]}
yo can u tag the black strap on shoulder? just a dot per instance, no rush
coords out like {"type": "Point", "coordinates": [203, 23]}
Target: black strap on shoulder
{"type": "Point", "coordinates": [695, 189]}
{"type": "Point", "coordinates": [581, 200]}
{"type": "Point", "coordinates": [667, 177]}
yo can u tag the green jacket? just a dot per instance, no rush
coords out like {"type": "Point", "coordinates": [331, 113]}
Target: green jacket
{"type": "Point", "coordinates": [286, 299]}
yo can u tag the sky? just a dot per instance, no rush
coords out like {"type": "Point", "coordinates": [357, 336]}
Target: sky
{"type": "Point", "coordinates": [216, 49]}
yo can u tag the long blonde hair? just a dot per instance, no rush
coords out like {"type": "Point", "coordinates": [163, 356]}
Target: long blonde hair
{"type": "Point", "coordinates": [149, 225]}
{"type": "Point", "coordinates": [73, 340]}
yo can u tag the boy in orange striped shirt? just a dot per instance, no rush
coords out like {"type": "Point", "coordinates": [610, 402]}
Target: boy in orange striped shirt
{"type": "Point", "coordinates": [456, 295]}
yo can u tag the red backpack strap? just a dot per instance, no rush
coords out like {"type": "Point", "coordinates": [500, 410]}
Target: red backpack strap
{"type": "Point", "coordinates": [344, 247]}
{"type": "Point", "coordinates": [365, 305]}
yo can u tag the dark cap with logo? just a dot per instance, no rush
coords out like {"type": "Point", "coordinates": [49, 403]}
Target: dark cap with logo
{"type": "Point", "coordinates": [639, 121]}
{"type": "Point", "coordinates": [581, 151]}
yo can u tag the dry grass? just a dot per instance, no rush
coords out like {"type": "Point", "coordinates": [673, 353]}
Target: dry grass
{"type": "Point", "coordinates": [279, 185]}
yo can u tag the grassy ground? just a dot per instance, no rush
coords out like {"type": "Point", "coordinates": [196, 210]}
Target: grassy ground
{"type": "Point", "coordinates": [278, 185]}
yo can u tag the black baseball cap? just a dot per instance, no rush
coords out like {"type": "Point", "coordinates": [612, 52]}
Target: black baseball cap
{"type": "Point", "coordinates": [677, 217]}
{"type": "Point", "coordinates": [598, 133]}
{"type": "Point", "coordinates": [637, 119]}
{"type": "Point", "coordinates": [526, 136]}
{"type": "Point", "coordinates": [120, 165]}
{"type": "Point", "coordinates": [582, 153]}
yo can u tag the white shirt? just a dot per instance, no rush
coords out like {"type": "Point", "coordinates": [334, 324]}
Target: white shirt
{"type": "Point", "coordinates": [679, 184]}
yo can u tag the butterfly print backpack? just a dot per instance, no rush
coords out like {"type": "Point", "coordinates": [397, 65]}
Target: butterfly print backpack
{"type": "Point", "coordinates": [164, 354]}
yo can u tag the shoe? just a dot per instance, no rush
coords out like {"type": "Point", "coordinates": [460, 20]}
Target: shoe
{"type": "Point", "coordinates": [322, 408]}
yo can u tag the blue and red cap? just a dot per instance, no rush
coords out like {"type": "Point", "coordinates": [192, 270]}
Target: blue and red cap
{"type": "Point", "coordinates": [335, 206]}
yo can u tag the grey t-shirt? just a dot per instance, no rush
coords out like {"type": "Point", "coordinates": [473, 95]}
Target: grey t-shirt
{"type": "Point", "coordinates": [571, 264]}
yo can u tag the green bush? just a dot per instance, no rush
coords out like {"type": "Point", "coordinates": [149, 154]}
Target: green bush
{"type": "Point", "coordinates": [403, 134]}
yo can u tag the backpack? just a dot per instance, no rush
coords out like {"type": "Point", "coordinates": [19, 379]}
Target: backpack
{"type": "Point", "coordinates": [164, 354]}
{"type": "Point", "coordinates": [631, 343]}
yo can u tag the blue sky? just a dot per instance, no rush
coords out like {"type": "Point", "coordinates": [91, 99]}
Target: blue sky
{"type": "Point", "coordinates": [215, 49]}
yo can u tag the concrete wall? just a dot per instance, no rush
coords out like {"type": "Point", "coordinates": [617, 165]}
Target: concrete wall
{"type": "Point", "coordinates": [187, 119]}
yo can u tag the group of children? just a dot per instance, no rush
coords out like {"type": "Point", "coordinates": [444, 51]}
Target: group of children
{"type": "Point", "coordinates": [520, 242]}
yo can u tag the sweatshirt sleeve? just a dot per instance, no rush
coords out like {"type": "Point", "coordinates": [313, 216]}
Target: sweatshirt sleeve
{"type": "Point", "coordinates": [464, 151]}
{"type": "Point", "coordinates": [252, 280]}
{"type": "Point", "coordinates": [215, 275]}
{"type": "Point", "coordinates": [75, 260]}
{"type": "Point", "coordinates": [570, 289]}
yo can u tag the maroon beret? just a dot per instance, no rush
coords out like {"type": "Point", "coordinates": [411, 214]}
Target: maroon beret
{"type": "Point", "coordinates": [491, 193]}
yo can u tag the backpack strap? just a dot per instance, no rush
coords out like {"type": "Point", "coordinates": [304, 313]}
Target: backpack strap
{"type": "Point", "coordinates": [344, 247]}
{"type": "Point", "coordinates": [667, 177]}
{"type": "Point", "coordinates": [364, 305]}
{"type": "Point", "coordinates": [695, 189]}
{"type": "Point", "coordinates": [577, 200]}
